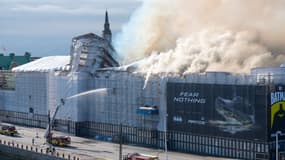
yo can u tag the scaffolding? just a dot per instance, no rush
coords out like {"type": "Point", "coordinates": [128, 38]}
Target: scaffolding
{"type": "Point", "coordinates": [7, 80]}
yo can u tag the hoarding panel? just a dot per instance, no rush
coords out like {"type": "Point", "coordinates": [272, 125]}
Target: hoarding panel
{"type": "Point", "coordinates": [218, 110]}
{"type": "Point", "coordinates": [277, 110]}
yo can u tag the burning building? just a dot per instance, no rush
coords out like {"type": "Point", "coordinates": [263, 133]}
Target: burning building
{"type": "Point", "coordinates": [204, 112]}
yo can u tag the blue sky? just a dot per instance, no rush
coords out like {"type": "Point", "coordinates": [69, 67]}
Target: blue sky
{"type": "Point", "coordinates": [45, 27]}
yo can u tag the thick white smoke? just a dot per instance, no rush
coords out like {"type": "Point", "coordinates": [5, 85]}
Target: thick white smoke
{"type": "Point", "coordinates": [198, 36]}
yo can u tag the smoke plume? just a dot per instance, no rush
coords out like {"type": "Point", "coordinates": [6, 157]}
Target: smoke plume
{"type": "Point", "coordinates": [185, 36]}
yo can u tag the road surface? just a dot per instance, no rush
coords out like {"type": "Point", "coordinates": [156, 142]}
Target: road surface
{"type": "Point", "coordinates": [89, 149]}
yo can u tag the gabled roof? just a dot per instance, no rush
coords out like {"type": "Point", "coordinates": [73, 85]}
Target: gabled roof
{"type": "Point", "coordinates": [89, 35]}
{"type": "Point", "coordinates": [45, 64]}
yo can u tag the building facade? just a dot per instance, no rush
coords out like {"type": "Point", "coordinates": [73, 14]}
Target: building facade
{"type": "Point", "coordinates": [212, 113]}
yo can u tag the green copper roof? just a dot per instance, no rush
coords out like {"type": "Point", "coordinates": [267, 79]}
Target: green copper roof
{"type": "Point", "coordinates": [6, 62]}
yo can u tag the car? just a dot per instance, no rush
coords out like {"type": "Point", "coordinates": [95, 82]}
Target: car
{"type": "Point", "coordinates": [8, 130]}
{"type": "Point", "coordinates": [139, 156]}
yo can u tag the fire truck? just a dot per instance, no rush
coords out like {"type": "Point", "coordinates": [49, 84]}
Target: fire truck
{"type": "Point", "coordinates": [58, 140]}
{"type": "Point", "coordinates": [139, 156]}
{"type": "Point", "coordinates": [50, 138]}
{"type": "Point", "coordinates": [8, 130]}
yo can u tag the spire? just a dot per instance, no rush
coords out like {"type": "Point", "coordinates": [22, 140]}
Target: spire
{"type": "Point", "coordinates": [106, 17]}
{"type": "Point", "coordinates": [107, 34]}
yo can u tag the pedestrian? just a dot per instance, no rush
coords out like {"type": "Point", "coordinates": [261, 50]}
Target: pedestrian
{"type": "Point", "coordinates": [33, 141]}
{"type": "Point", "coordinates": [53, 151]}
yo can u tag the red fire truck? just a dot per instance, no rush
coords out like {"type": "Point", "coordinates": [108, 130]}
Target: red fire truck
{"type": "Point", "coordinates": [139, 156]}
{"type": "Point", "coordinates": [8, 130]}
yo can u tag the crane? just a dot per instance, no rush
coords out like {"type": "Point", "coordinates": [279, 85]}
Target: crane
{"type": "Point", "coordinates": [55, 140]}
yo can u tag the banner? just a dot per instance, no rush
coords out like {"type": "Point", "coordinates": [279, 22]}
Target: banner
{"type": "Point", "coordinates": [237, 111]}
{"type": "Point", "coordinates": [277, 110]}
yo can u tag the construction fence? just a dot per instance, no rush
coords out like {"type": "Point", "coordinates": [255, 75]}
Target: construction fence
{"type": "Point", "coordinates": [36, 120]}
{"type": "Point", "coordinates": [175, 140]}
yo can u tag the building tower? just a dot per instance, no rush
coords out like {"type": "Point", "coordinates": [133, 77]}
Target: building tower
{"type": "Point", "coordinates": [107, 34]}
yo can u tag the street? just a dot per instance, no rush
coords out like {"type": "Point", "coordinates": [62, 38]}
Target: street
{"type": "Point", "coordinates": [87, 149]}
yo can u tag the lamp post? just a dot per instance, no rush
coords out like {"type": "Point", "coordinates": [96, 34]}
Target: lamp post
{"type": "Point", "coordinates": [276, 142]}
{"type": "Point", "coordinates": [276, 146]}
{"type": "Point", "coordinates": [121, 142]}
{"type": "Point", "coordinates": [165, 137]}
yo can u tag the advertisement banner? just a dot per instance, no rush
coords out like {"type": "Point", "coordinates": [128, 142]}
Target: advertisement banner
{"type": "Point", "coordinates": [277, 109]}
{"type": "Point", "coordinates": [237, 111]}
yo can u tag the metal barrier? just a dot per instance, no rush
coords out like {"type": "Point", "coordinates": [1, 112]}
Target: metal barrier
{"type": "Point", "coordinates": [36, 149]}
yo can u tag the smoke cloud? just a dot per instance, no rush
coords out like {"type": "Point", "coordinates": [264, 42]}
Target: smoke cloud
{"type": "Point", "coordinates": [185, 36]}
